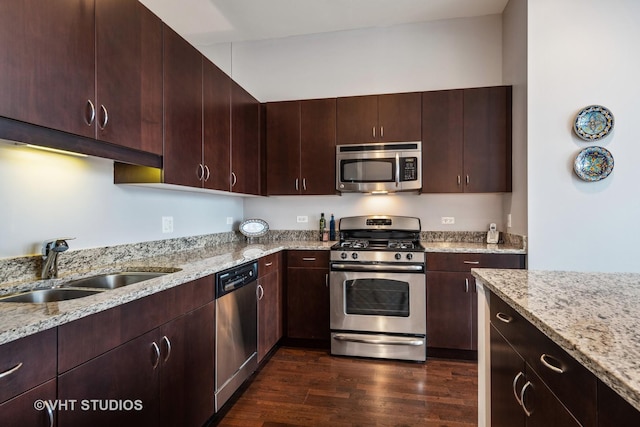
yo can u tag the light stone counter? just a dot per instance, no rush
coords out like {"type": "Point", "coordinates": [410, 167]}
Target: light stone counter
{"type": "Point", "coordinates": [186, 259]}
{"type": "Point", "coordinates": [595, 317]}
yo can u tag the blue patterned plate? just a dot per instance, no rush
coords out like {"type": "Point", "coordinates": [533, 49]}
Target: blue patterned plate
{"type": "Point", "coordinates": [593, 164]}
{"type": "Point", "coordinates": [593, 123]}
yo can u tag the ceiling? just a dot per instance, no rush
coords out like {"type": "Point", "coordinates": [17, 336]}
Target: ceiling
{"type": "Point", "coordinates": [205, 22]}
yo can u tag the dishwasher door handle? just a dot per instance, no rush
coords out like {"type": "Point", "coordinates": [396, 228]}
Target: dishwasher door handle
{"type": "Point", "coordinates": [413, 341]}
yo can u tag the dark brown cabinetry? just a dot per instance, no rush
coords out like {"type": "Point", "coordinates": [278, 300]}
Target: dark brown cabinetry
{"type": "Point", "coordinates": [112, 50]}
{"type": "Point", "coordinates": [301, 147]}
{"type": "Point", "coordinates": [217, 126]}
{"type": "Point", "coordinates": [547, 385]}
{"type": "Point", "coordinates": [613, 410]}
{"type": "Point", "coordinates": [245, 141]}
{"type": "Point", "coordinates": [182, 158]}
{"type": "Point", "coordinates": [307, 295]}
{"type": "Point", "coordinates": [379, 118]}
{"type": "Point", "coordinates": [269, 303]}
{"type": "Point", "coordinates": [27, 373]}
{"type": "Point", "coordinates": [466, 137]}
{"type": "Point", "coordinates": [158, 350]}
{"type": "Point", "coordinates": [452, 299]}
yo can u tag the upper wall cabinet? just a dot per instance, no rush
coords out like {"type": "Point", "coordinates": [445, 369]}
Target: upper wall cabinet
{"type": "Point", "coordinates": [89, 69]}
{"type": "Point", "coordinates": [182, 157]}
{"type": "Point", "coordinates": [245, 141]}
{"type": "Point", "coordinates": [466, 140]}
{"type": "Point", "coordinates": [379, 118]}
{"type": "Point", "coordinates": [300, 149]}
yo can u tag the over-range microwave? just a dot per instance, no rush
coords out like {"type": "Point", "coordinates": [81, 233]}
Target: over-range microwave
{"type": "Point", "coordinates": [379, 167]}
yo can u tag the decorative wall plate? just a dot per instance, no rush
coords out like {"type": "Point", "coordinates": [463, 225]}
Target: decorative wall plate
{"type": "Point", "coordinates": [593, 123]}
{"type": "Point", "coordinates": [593, 164]}
{"type": "Point", "coordinates": [254, 227]}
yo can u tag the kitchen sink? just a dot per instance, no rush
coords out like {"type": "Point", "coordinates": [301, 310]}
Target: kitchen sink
{"type": "Point", "coordinates": [49, 295]}
{"type": "Point", "coordinates": [113, 280]}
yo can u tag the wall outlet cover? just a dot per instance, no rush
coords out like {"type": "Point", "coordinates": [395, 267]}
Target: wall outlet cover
{"type": "Point", "coordinates": [302, 218]}
{"type": "Point", "coordinates": [167, 224]}
{"type": "Point", "coordinates": [448, 220]}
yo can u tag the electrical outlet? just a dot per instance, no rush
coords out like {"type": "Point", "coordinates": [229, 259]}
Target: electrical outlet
{"type": "Point", "coordinates": [448, 220]}
{"type": "Point", "coordinates": [302, 218]}
{"type": "Point", "coordinates": [229, 220]}
{"type": "Point", "coordinates": [509, 220]}
{"type": "Point", "coordinates": [167, 224]}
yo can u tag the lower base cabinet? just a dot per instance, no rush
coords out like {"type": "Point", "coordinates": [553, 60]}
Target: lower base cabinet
{"type": "Point", "coordinates": [24, 410]}
{"type": "Point", "coordinates": [308, 295]}
{"type": "Point", "coordinates": [269, 303]}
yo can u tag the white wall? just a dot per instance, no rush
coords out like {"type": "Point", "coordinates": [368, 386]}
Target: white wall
{"type": "Point", "coordinates": [46, 195]}
{"type": "Point", "coordinates": [582, 52]}
{"type": "Point", "coordinates": [514, 73]}
{"type": "Point", "coordinates": [416, 57]}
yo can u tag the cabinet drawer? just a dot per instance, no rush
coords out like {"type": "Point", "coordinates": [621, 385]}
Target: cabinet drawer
{"type": "Point", "coordinates": [308, 259]}
{"type": "Point", "coordinates": [27, 362]}
{"type": "Point", "coordinates": [467, 261]}
{"type": "Point", "coordinates": [268, 264]}
{"type": "Point", "coordinates": [557, 369]}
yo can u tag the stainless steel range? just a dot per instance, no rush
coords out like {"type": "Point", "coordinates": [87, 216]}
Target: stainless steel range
{"type": "Point", "coordinates": [378, 289]}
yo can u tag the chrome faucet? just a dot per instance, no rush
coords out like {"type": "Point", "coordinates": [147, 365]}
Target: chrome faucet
{"type": "Point", "coordinates": [50, 251]}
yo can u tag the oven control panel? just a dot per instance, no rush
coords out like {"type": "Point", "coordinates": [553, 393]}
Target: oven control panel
{"type": "Point", "coordinates": [377, 256]}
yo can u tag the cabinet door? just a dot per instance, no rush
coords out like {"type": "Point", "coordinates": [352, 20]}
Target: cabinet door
{"type": "Point", "coordinates": [399, 117]}
{"type": "Point", "coordinates": [506, 365]}
{"type": "Point", "coordinates": [182, 156]}
{"type": "Point", "coordinates": [42, 44]}
{"type": "Point", "coordinates": [318, 146]}
{"type": "Point", "coordinates": [187, 368]}
{"type": "Point", "coordinates": [308, 303]}
{"type": "Point", "coordinates": [129, 75]}
{"type": "Point", "coordinates": [487, 139]}
{"type": "Point", "coordinates": [245, 141]}
{"type": "Point", "coordinates": [127, 373]}
{"type": "Point", "coordinates": [450, 310]}
{"type": "Point", "coordinates": [283, 148]}
{"type": "Point", "coordinates": [269, 313]}
{"type": "Point", "coordinates": [613, 410]}
{"type": "Point", "coordinates": [357, 119]}
{"type": "Point", "coordinates": [217, 127]}
{"type": "Point", "coordinates": [442, 141]}
{"type": "Point", "coordinates": [20, 412]}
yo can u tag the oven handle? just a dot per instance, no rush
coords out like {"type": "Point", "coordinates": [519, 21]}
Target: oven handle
{"type": "Point", "coordinates": [414, 268]}
{"type": "Point", "coordinates": [384, 341]}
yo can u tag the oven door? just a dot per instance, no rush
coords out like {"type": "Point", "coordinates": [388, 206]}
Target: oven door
{"type": "Point", "coordinates": [378, 302]}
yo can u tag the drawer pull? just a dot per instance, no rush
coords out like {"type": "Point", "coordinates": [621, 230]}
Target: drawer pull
{"type": "Point", "coordinates": [11, 371]}
{"type": "Point", "coordinates": [466, 285]}
{"type": "Point", "coordinates": [522, 393]}
{"type": "Point", "coordinates": [268, 264]}
{"type": "Point", "coordinates": [471, 262]}
{"type": "Point", "coordinates": [545, 358]}
{"type": "Point", "coordinates": [156, 351]}
{"type": "Point", "coordinates": [309, 259]}
{"type": "Point", "coordinates": [504, 317]}
{"type": "Point", "coordinates": [515, 385]}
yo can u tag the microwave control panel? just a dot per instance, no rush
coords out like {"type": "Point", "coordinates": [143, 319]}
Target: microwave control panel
{"type": "Point", "coordinates": [409, 169]}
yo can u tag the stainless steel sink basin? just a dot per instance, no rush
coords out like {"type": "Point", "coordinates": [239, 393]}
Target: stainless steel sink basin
{"type": "Point", "coordinates": [113, 280]}
{"type": "Point", "coordinates": [49, 295]}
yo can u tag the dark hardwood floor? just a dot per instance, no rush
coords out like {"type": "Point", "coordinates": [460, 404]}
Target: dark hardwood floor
{"type": "Point", "coordinates": [302, 387]}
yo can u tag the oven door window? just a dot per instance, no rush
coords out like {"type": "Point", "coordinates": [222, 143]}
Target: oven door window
{"type": "Point", "coordinates": [377, 297]}
{"type": "Point", "coordinates": [368, 170]}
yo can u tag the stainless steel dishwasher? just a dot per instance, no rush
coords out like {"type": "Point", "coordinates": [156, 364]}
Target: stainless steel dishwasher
{"type": "Point", "coordinates": [236, 329]}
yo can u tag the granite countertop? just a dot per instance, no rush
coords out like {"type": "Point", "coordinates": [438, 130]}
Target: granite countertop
{"type": "Point", "coordinates": [592, 316]}
{"type": "Point", "coordinates": [18, 320]}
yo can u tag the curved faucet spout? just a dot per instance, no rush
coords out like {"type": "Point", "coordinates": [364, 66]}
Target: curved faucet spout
{"type": "Point", "coordinates": [50, 251]}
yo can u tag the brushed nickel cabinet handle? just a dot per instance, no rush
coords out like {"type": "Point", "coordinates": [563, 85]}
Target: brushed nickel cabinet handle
{"type": "Point", "coordinates": [268, 264]}
{"type": "Point", "coordinates": [522, 393]}
{"type": "Point", "coordinates": [459, 180]}
{"type": "Point", "coordinates": [260, 292]}
{"type": "Point", "coordinates": [466, 285]}
{"type": "Point", "coordinates": [200, 172]}
{"type": "Point", "coordinates": [373, 131]}
{"type": "Point", "coordinates": [326, 280]}
{"type": "Point", "coordinates": [92, 113]}
{"type": "Point", "coordinates": [309, 259]}
{"type": "Point", "coordinates": [381, 131]}
{"type": "Point", "coordinates": [304, 184]}
{"type": "Point", "coordinates": [208, 173]}
{"type": "Point", "coordinates": [297, 186]}
{"type": "Point", "coordinates": [504, 317]}
{"type": "Point", "coordinates": [105, 117]}
{"type": "Point", "coordinates": [156, 350]}
{"type": "Point", "coordinates": [545, 358]}
{"type": "Point", "coordinates": [49, 413]}
{"type": "Point", "coordinates": [471, 262]}
{"type": "Point", "coordinates": [515, 384]}
{"type": "Point", "coordinates": [168, 345]}
{"type": "Point", "coordinates": [11, 371]}
{"type": "Point", "coordinates": [467, 180]}
{"type": "Point", "coordinates": [234, 179]}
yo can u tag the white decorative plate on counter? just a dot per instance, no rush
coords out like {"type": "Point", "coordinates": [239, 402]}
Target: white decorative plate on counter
{"type": "Point", "coordinates": [593, 123]}
{"type": "Point", "coordinates": [593, 164]}
{"type": "Point", "coordinates": [254, 227]}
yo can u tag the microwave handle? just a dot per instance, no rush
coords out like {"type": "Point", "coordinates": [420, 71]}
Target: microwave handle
{"type": "Point", "coordinates": [397, 169]}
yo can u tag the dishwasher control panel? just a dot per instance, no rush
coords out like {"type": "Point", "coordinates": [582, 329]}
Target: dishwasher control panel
{"type": "Point", "coordinates": [235, 278]}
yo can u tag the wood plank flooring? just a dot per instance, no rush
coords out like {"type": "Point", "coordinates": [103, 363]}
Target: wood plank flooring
{"type": "Point", "coordinates": [302, 387]}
